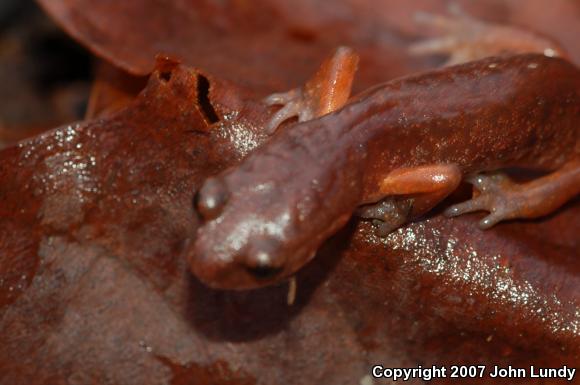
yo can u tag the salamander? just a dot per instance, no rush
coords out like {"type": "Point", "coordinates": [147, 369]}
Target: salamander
{"type": "Point", "coordinates": [391, 154]}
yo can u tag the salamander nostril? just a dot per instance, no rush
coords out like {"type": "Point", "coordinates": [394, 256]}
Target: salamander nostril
{"type": "Point", "coordinates": [211, 198]}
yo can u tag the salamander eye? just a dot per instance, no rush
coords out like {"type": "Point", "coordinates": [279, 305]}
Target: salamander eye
{"type": "Point", "coordinates": [211, 198]}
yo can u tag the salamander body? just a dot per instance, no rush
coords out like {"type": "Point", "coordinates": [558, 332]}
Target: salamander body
{"type": "Point", "coordinates": [391, 154]}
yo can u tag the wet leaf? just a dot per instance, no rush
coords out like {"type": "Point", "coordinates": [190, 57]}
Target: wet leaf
{"type": "Point", "coordinates": [96, 217]}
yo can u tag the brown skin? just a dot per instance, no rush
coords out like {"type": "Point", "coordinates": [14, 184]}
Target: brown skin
{"type": "Point", "coordinates": [413, 137]}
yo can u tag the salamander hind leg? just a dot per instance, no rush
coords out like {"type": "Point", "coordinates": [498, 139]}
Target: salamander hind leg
{"type": "Point", "coordinates": [327, 91]}
{"type": "Point", "coordinates": [465, 38]}
{"type": "Point", "coordinates": [408, 193]}
{"type": "Point", "coordinates": [504, 199]}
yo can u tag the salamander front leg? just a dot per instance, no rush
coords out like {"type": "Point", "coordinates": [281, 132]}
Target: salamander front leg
{"type": "Point", "coordinates": [327, 91]}
{"type": "Point", "coordinates": [408, 193]}
{"type": "Point", "coordinates": [505, 199]}
{"type": "Point", "coordinates": [465, 38]}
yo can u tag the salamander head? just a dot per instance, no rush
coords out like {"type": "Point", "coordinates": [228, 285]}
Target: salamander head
{"type": "Point", "coordinates": [257, 228]}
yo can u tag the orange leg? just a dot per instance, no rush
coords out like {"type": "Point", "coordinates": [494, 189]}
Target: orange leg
{"type": "Point", "coordinates": [505, 199]}
{"type": "Point", "coordinates": [410, 192]}
{"type": "Point", "coordinates": [327, 91]}
{"type": "Point", "coordinates": [465, 38]}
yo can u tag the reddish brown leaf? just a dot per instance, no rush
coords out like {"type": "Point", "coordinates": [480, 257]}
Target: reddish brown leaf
{"type": "Point", "coordinates": [95, 288]}
{"type": "Point", "coordinates": [273, 45]}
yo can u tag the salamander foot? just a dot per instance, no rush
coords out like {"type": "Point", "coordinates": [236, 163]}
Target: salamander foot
{"type": "Point", "coordinates": [294, 103]}
{"type": "Point", "coordinates": [500, 196]}
{"type": "Point", "coordinates": [465, 38]}
{"type": "Point", "coordinates": [505, 199]}
{"type": "Point", "coordinates": [388, 214]}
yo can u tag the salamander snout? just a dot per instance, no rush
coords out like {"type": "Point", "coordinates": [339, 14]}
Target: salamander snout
{"type": "Point", "coordinates": [211, 198]}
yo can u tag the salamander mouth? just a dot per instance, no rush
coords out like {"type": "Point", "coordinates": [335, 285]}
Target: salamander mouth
{"type": "Point", "coordinates": [262, 273]}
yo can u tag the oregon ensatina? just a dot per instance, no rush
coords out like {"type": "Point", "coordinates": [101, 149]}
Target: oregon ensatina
{"type": "Point", "coordinates": [391, 154]}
